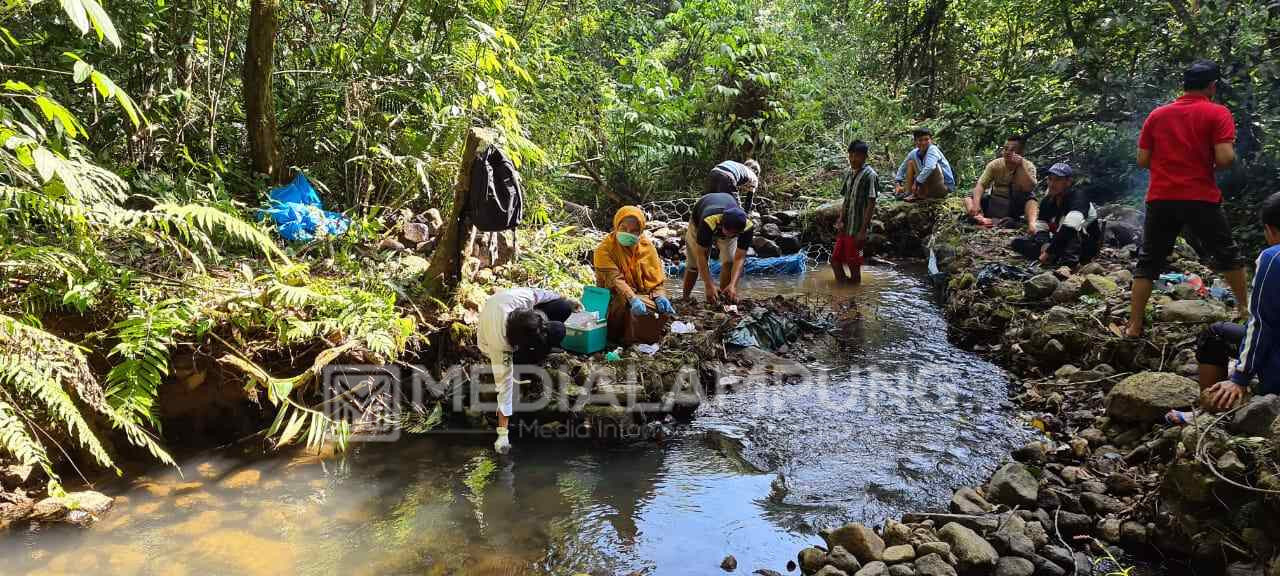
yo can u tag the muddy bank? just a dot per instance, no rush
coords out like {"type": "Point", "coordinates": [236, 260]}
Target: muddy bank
{"type": "Point", "coordinates": [1108, 479]}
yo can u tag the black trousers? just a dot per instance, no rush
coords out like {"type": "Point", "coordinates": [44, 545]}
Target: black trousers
{"type": "Point", "coordinates": [1210, 234]}
{"type": "Point", "coordinates": [1219, 342]}
{"type": "Point", "coordinates": [1074, 247]}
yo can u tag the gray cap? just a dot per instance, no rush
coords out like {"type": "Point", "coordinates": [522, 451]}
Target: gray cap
{"type": "Point", "coordinates": [1061, 169]}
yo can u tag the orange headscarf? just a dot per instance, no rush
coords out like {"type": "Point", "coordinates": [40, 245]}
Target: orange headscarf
{"type": "Point", "coordinates": [639, 266]}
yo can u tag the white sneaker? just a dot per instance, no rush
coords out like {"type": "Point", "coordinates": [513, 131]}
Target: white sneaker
{"type": "Point", "coordinates": [503, 444]}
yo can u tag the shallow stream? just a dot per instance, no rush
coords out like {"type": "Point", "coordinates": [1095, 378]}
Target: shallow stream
{"type": "Point", "coordinates": [897, 419]}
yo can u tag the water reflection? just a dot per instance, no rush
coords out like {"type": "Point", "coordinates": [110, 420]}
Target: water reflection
{"type": "Point", "coordinates": [898, 418]}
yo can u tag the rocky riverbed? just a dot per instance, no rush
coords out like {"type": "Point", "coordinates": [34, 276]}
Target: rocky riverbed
{"type": "Point", "coordinates": [1107, 479]}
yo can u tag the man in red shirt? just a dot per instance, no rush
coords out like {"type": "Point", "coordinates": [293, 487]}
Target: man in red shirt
{"type": "Point", "coordinates": [1183, 142]}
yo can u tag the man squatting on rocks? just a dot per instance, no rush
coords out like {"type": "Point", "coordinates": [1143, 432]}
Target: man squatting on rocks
{"type": "Point", "coordinates": [1255, 344]}
{"type": "Point", "coordinates": [518, 328]}
{"type": "Point", "coordinates": [1066, 230]}
{"type": "Point", "coordinates": [717, 218]}
{"type": "Point", "coordinates": [1182, 143]}
{"type": "Point", "coordinates": [925, 172]}
{"type": "Point", "coordinates": [860, 189]}
{"type": "Point", "coordinates": [1005, 193]}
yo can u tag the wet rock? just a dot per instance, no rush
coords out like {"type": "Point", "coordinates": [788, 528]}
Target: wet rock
{"type": "Point", "coordinates": [1147, 396]}
{"type": "Point", "coordinates": [80, 508]}
{"type": "Point", "coordinates": [830, 571]}
{"type": "Point", "coordinates": [902, 570]}
{"type": "Point", "coordinates": [1255, 417]}
{"type": "Point", "coordinates": [1082, 563]}
{"type": "Point", "coordinates": [932, 564]}
{"type": "Point", "coordinates": [1045, 567]}
{"type": "Point", "coordinates": [1013, 485]}
{"type": "Point", "coordinates": [771, 230]}
{"type": "Point", "coordinates": [765, 248]}
{"type": "Point", "coordinates": [859, 540]}
{"type": "Point", "coordinates": [1109, 529]}
{"type": "Point", "coordinates": [1040, 286]}
{"type": "Point", "coordinates": [1192, 311]}
{"type": "Point", "coordinates": [1133, 533]}
{"type": "Point", "coordinates": [967, 501]}
{"type": "Point", "coordinates": [1012, 566]}
{"type": "Point", "coordinates": [1058, 555]}
{"type": "Point", "coordinates": [1036, 532]}
{"type": "Point", "coordinates": [811, 560]}
{"type": "Point", "coordinates": [1031, 453]}
{"type": "Point", "coordinates": [973, 554]}
{"type": "Point", "coordinates": [1073, 524]}
{"type": "Point", "coordinates": [876, 568]}
{"type": "Point", "coordinates": [1100, 285]}
{"type": "Point", "coordinates": [842, 559]}
{"type": "Point", "coordinates": [729, 564]}
{"type": "Point", "coordinates": [1122, 484]}
{"type": "Point", "coordinates": [1012, 539]}
{"type": "Point", "coordinates": [942, 549]}
{"type": "Point", "coordinates": [242, 479]}
{"type": "Point", "coordinates": [899, 554]}
{"type": "Point", "coordinates": [1068, 291]}
{"type": "Point", "coordinates": [896, 533]}
{"type": "Point", "coordinates": [1100, 504]}
{"type": "Point", "coordinates": [789, 242]}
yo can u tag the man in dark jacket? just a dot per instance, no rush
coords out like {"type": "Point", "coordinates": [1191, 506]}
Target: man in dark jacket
{"type": "Point", "coordinates": [1068, 232]}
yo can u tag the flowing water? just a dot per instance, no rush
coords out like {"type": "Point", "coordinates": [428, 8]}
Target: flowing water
{"type": "Point", "coordinates": [895, 419]}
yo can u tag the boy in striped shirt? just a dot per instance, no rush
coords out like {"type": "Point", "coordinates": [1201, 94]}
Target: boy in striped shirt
{"type": "Point", "coordinates": [859, 190]}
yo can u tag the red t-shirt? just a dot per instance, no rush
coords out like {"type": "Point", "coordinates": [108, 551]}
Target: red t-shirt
{"type": "Point", "coordinates": [1181, 136]}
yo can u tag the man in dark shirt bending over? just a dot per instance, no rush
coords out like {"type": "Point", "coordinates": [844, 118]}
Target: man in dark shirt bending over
{"type": "Point", "coordinates": [717, 219]}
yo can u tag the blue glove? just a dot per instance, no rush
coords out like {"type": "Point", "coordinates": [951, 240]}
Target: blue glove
{"type": "Point", "coordinates": [664, 306]}
{"type": "Point", "coordinates": [637, 306]}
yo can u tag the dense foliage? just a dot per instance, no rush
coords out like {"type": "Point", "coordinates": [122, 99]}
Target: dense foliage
{"type": "Point", "coordinates": [128, 130]}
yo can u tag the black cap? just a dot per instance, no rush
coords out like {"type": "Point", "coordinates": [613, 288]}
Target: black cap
{"type": "Point", "coordinates": [921, 131]}
{"type": "Point", "coordinates": [1200, 74]}
{"type": "Point", "coordinates": [734, 218]}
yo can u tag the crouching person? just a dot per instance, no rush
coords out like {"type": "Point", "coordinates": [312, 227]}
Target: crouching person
{"type": "Point", "coordinates": [1253, 345]}
{"type": "Point", "coordinates": [628, 265]}
{"type": "Point", "coordinates": [518, 328]}
{"type": "Point", "coordinates": [1068, 232]}
{"type": "Point", "coordinates": [717, 220]}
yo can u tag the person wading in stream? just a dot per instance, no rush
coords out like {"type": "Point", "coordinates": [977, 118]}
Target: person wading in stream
{"type": "Point", "coordinates": [1006, 190]}
{"type": "Point", "coordinates": [517, 329]}
{"type": "Point", "coordinates": [925, 172]}
{"type": "Point", "coordinates": [860, 189]}
{"type": "Point", "coordinates": [1255, 345]}
{"type": "Point", "coordinates": [717, 219]}
{"type": "Point", "coordinates": [1182, 143]}
{"type": "Point", "coordinates": [628, 265]}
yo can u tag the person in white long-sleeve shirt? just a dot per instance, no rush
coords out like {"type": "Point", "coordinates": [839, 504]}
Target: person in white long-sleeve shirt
{"type": "Point", "coordinates": [519, 327]}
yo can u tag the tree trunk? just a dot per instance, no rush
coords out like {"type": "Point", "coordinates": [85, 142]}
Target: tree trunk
{"type": "Point", "coordinates": [184, 62]}
{"type": "Point", "coordinates": [455, 243]}
{"type": "Point", "coordinates": [259, 107]}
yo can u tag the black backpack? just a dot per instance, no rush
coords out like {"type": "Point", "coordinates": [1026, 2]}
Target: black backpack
{"type": "Point", "coordinates": [496, 198]}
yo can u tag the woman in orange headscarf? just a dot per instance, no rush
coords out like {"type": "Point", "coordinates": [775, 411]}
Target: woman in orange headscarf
{"type": "Point", "coordinates": [628, 265]}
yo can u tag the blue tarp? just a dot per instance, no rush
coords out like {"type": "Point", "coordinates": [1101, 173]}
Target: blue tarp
{"type": "Point", "coordinates": [790, 265]}
{"type": "Point", "coordinates": [299, 215]}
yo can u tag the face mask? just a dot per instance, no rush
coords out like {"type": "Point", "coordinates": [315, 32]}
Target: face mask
{"type": "Point", "coordinates": [627, 239]}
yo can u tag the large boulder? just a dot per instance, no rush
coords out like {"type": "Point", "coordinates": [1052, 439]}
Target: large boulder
{"type": "Point", "coordinates": [788, 242]}
{"type": "Point", "coordinates": [1013, 566]}
{"type": "Point", "coordinates": [80, 508]}
{"type": "Point", "coordinates": [765, 248]}
{"type": "Point", "coordinates": [1014, 485]}
{"type": "Point", "coordinates": [967, 501]}
{"type": "Point", "coordinates": [1147, 396]}
{"type": "Point", "coordinates": [973, 553]}
{"type": "Point", "coordinates": [1040, 286]}
{"type": "Point", "coordinates": [1255, 417]}
{"type": "Point", "coordinates": [1194, 311]}
{"type": "Point", "coordinates": [859, 540]}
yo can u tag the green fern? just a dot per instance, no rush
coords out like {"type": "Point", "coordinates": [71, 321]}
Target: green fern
{"type": "Point", "coordinates": [145, 338]}
{"type": "Point", "coordinates": [210, 220]}
{"type": "Point", "coordinates": [16, 439]}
